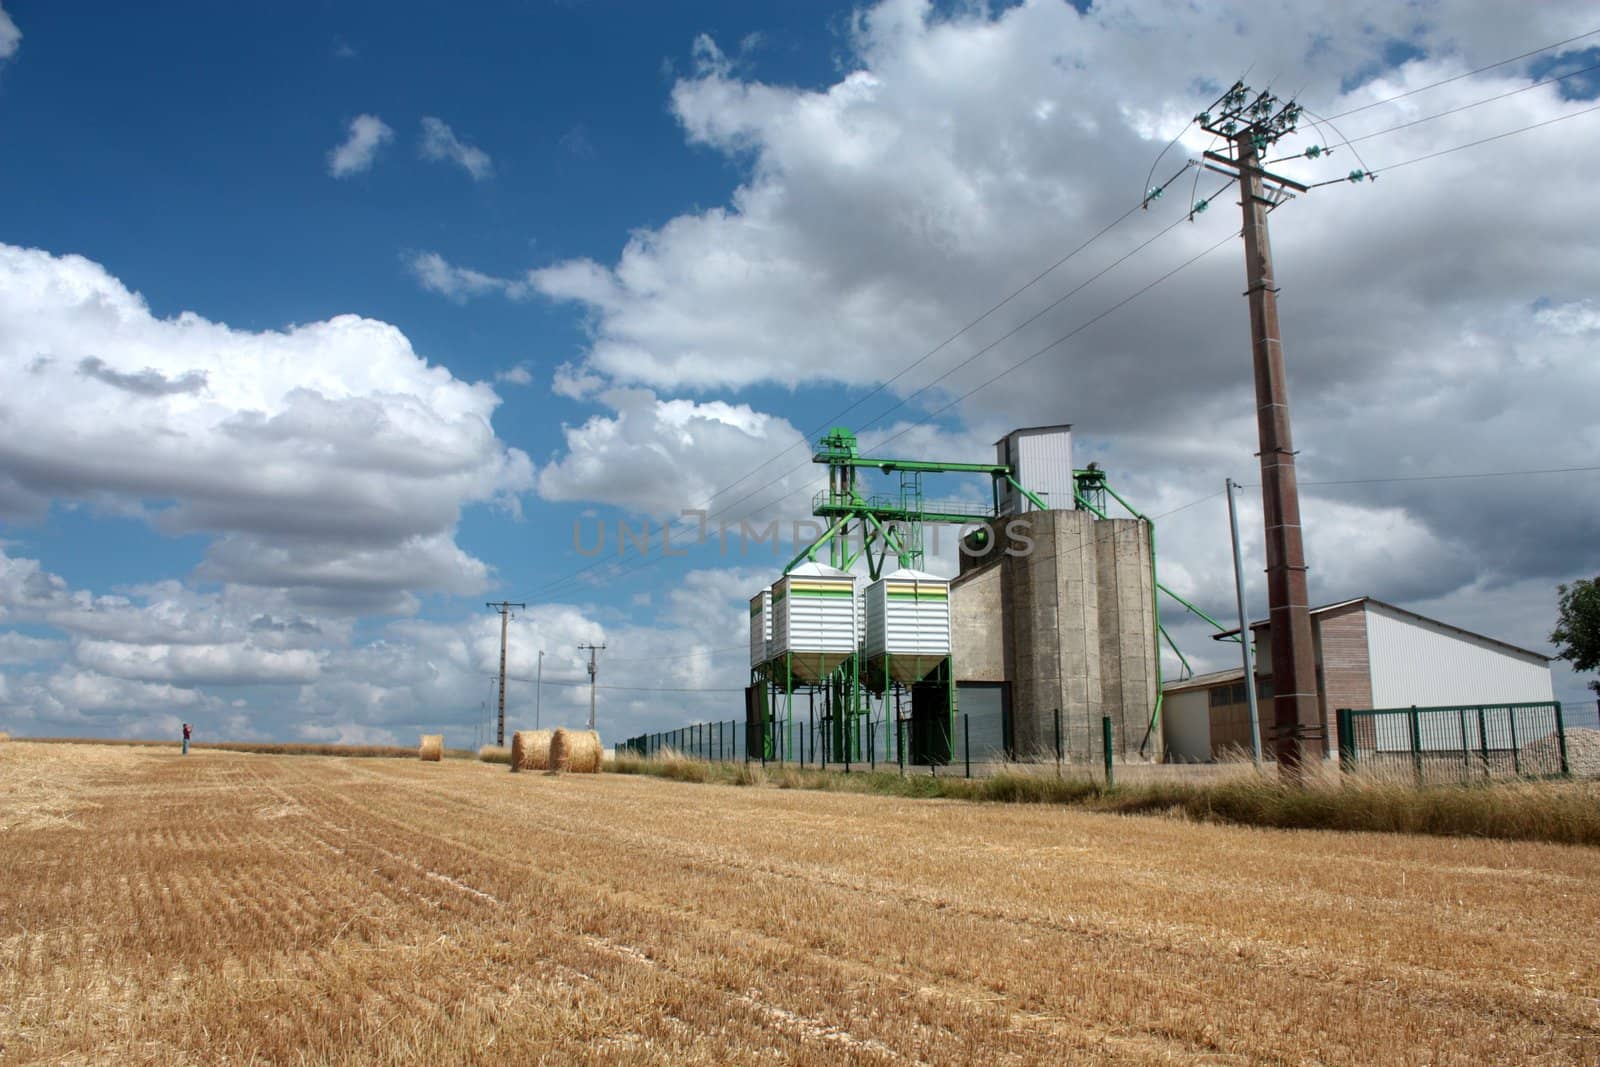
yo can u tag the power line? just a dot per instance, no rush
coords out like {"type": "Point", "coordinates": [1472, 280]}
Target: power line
{"type": "Point", "coordinates": [1460, 147]}
{"type": "Point", "coordinates": [1458, 77]}
{"type": "Point", "coordinates": [1443, 114]}
{"type": "Point", "coordinates": [748, 496]}
{"type": "Point", "coordinates": [1085, 325]}
{"type": "Point", "coordinates": [1380, 481]}
{"type": "Point", "coordinates": [1454, 477]}
{"type": "Point", "coordinates": [684, 655]}
{"type": "Point", "coordinates": [1050, 307]}
{"type": "Point", "coordinates": [1190, 504]}
{"type": "Point", "coordinates": [1066, 336]}
{"type": "Point", "coordinates": [1478, 103]}
{"type": "Point", "coordinates": [881, 386]}
{"type": "Point", "coordinates": [636, 688]}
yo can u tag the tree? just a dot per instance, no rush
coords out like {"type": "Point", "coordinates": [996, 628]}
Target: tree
{"type": "Point", "coordinates": [1577, 632]}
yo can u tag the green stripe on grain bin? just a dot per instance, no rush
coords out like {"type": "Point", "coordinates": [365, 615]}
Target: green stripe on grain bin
{"type": "Point", "coordinates": [926, 592]}
{"type": "Point", "coordinates": [832, 589]}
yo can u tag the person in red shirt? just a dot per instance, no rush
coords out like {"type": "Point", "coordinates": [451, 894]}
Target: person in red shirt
{"type": "Point", "coordinates": [185, 739]}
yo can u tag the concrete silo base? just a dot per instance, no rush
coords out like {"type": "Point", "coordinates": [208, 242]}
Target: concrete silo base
{"type": "Point", "coordinates": [1078, 634]}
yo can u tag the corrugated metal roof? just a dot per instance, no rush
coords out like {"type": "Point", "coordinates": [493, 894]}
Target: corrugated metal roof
{"type": "Point", "coordinates": [1327, 608]}
{"type": "Point", "coordinates": [813, 569]}
{"type": "Point", "coordinates": [1206, 681]}
{"type": "Point", "coordinates": [1037, 429]}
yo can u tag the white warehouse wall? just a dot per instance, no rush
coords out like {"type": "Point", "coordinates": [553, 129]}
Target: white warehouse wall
{"type": "Point", "coordinates": [1427, 664]}
{"type": "Point", "coordinates": [1186, 720]}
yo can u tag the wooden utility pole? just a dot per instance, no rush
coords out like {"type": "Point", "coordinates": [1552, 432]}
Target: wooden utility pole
{"type": "Point", "coordinates": [1251, 123]}
{"type": "Point", "coordinates": [504, 608]}
{"type": "Point", "coordinates": [591, 649]}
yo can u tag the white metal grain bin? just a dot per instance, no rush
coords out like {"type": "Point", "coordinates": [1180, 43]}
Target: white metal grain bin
{"type": "Point", "coordinates": [760, 627]}
{"type": "Point", "coordinates": [908, 623]}
{"type": "Point", "coordinates": [813, 620]}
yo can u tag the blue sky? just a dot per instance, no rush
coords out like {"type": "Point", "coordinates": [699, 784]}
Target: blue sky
{"type": "Point", "coordinates": [217, 143]}
{"type": "Point", "coordinates": [659, 245]}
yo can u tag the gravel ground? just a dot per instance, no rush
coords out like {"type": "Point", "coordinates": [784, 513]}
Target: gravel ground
{"type": "Point", "coordinates": [1583, 751]}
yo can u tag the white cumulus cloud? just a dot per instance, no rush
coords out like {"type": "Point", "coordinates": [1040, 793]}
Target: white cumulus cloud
{"type": "Point", "coordinates": [10, 36]}
{"type": "Point", "coordinates": [438, 275]}
{"type": "Point", "coordinates": [328, 457]}
{"type": "Point", "coordinates": [367, 133]}
{"type": "Point", "coordinates": [661, 457]}
{"type": "Point", "coordinates": [440, 143]}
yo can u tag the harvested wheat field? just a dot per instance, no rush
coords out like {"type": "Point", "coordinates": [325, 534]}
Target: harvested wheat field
{"type": "Point", "coordinates": [234, 908]}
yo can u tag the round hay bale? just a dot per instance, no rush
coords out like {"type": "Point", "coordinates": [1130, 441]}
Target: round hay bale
{"type": "Point", "coordinates": [578, 751]}
{"type": "Point", "coordinates": [530, 750]}
{"type": "Point", "coordinates": [432, 748]}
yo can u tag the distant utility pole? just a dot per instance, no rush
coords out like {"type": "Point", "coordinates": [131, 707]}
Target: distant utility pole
{"type": "Point", "coordinates": [1245, 638]}
{"type": "Point", "coordinates": [538, 690]}
{"type": "Point", "coordinates": [591, 649]}
{"type": "Point", "coordinates": [1251, 122]}
{"type": "Point", "coordinates": [504, 608]}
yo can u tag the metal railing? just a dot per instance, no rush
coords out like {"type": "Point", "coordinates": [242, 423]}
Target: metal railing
{"type": "Point", "coordinates": [1455, 743]}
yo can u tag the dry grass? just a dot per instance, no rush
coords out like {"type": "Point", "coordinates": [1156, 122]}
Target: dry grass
{"type": "Point", "coordinates": [1560, 812]}
{"type": "Point", "coordinates": [239, 908]}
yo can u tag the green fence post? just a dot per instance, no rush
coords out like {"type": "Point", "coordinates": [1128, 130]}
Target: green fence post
{"type": "Point", "coordinates": [966, 741]}
{"type": "Point", "coordinates": [1105, 741]}
{"type": "Point", "coordinates": [1516, 747]}
{"type": "Point", "coordinates": [1347, 739]}
{"type": "Point", "coordinates": [1416, 742]}
{"type": "Point", "coordinates": [1058, 742]}
{"type": "Point", "coordinates": [1561, 736]}
{"type": "Point", "coordinates": [899, 740]}
{"type": "Point", "coordinates": [1483, 742]}
{"type": "Point", "coordinates": [1466, 753]}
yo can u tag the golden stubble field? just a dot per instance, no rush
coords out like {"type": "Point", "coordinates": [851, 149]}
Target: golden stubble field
{"type": "Point", "coordinates": [230, 908]}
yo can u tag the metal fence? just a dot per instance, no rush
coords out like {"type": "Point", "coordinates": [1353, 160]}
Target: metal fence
{"type": "Point", "coordinates": [977, 744]}
{"type": "Point", "coordinates": [1476, 741]}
